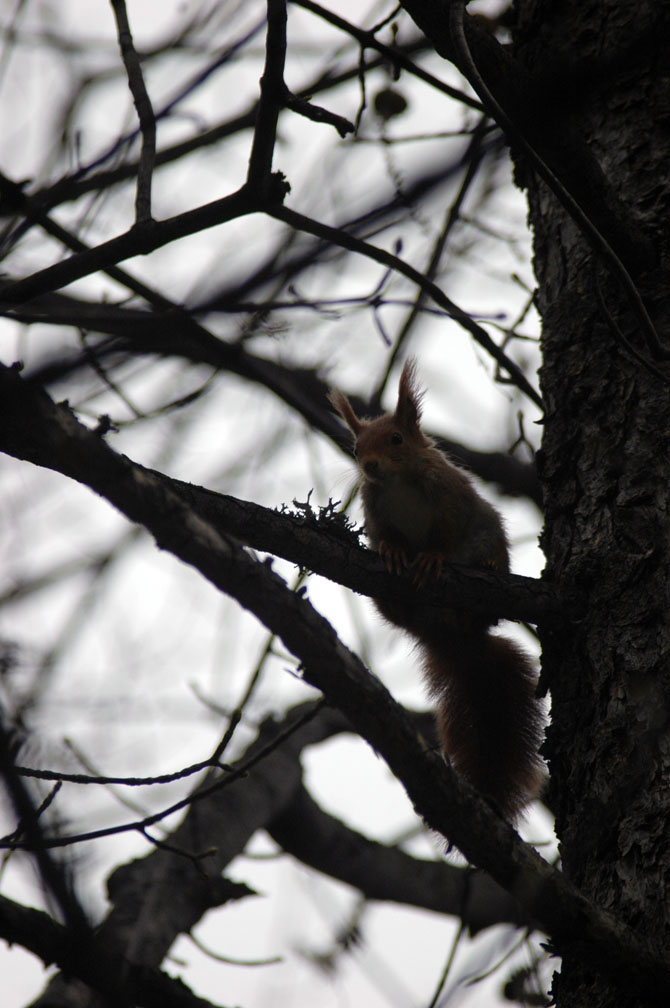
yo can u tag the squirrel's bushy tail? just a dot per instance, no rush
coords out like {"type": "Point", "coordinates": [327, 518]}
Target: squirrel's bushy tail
{"type": "Point", "coordinates": [489, 719]}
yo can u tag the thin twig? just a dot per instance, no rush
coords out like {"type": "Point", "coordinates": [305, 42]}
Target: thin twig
{"type": "Point", "coordinates": [81, 778]}
{"type": "Point", "coordinates": [472, 160]}
{"type": "Point", "coordinates": [395, 57]}
{"type": "Point", "coordinates": [52, 873]}
{"type": "Point", "coordinates": [337, 236]}
{"type": "Point", "coordinates": [435, 1000]}
{"type": "Point", "coordinates": [145, 112]}
{"type": "Point", "coordinates": [318, 114]}
{"type": "Point", "coordinates": [140, 825]}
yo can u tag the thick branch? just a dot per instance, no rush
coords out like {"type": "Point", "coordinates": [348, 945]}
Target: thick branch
{"type": "Point", "coordinates": [137, 241]}
{"type": "Point", "coordinates": [324, 843]}
{"type": "Point", "coordinates": [445, 803]}
{"type": "Point", "coordinates": [325, 548]}
{"type": "Point", "coordinates": [37, 431]}
{"type": "Point", "coordinates": [92, 962]}
{"type": "Point", "coordinates": [273, 93]}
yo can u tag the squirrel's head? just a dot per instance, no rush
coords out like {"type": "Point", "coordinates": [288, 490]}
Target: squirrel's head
{"type": "Point", "coordinates": [390, 442]}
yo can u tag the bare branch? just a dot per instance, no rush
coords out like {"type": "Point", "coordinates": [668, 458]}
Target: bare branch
{"type": "Point", "coordinates": [446, 803]}
{"type": "Point", "coordinates": [391, 54]}
{"type": "Point", "coordinates": [145, 112]}
{"type": "Point", "coordinates": [318, 114]}
{"type": "Point", "coordinates": [73, 186]}
{"type": "Point", "coordinates": [339, 237]}
{"type": "Point", "coordinates": [30, 832]}
{"type": "Point", "coordinates": [92, 962]}
{"type": "Point", "coordinates": [381, 872]}
{"type": "Point", "coordinates": [326, 548]}
{"type": "Point", "coordinates": [152, 235]}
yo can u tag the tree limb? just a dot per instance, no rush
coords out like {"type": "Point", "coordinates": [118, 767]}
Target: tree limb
{"type": "Point", "coordinates": [380, 872]}
{"type": "Point", "coordinates": [106, 973]}
{"type": "Point", "coordinates": [271, 101]}
{"type": "Point", "coordinates": [36, 430]}
{"type": "Point", "coordinates": [164, 894]}
{"type": "Point", "coordinates": [445, 802]}
{"type": "Point", "coordinates": [142, 240]}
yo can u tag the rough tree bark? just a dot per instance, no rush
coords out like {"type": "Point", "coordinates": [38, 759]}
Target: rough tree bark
{"type": "Point", "coordinates": [583, 96]}
{"type": "Point", "coordinates": [605, 467]}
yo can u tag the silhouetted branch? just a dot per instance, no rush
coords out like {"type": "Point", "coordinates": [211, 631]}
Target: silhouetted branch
{"type": "Point", "coordinates": [108, 974]}
{"type": "Point", "coordinates": [339, 237]}
{"type": "Point", "coordinates": [145, 112]}
{"type": "Point", "coordinates": [330, 550]}
{"type": "Point", "coordinates": [32, 426]}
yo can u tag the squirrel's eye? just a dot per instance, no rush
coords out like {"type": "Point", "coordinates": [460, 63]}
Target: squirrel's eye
{"type": "Point", "coordinates": [396, 438]}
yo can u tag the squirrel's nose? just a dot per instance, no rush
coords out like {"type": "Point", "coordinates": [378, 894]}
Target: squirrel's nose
{"type": "Point", "coordinates": [371, 467]}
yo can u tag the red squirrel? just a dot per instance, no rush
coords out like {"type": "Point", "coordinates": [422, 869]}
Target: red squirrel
{"type": "Point", "coordinates": [420, 512]}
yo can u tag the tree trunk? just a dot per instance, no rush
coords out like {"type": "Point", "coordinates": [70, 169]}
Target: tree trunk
{"type": "Point", "coordinates": [605, 467]}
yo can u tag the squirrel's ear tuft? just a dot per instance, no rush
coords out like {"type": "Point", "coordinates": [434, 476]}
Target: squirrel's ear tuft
{"type": "Point", "coordinates": [408, 410]}
{"type": "Point", "coordinates": [342, 405]}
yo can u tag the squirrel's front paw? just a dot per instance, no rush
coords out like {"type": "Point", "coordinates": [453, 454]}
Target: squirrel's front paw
{"type": "Point", "coordinates": [427, 567]}
{"type": "Point", "coordinates": [393, 556]}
